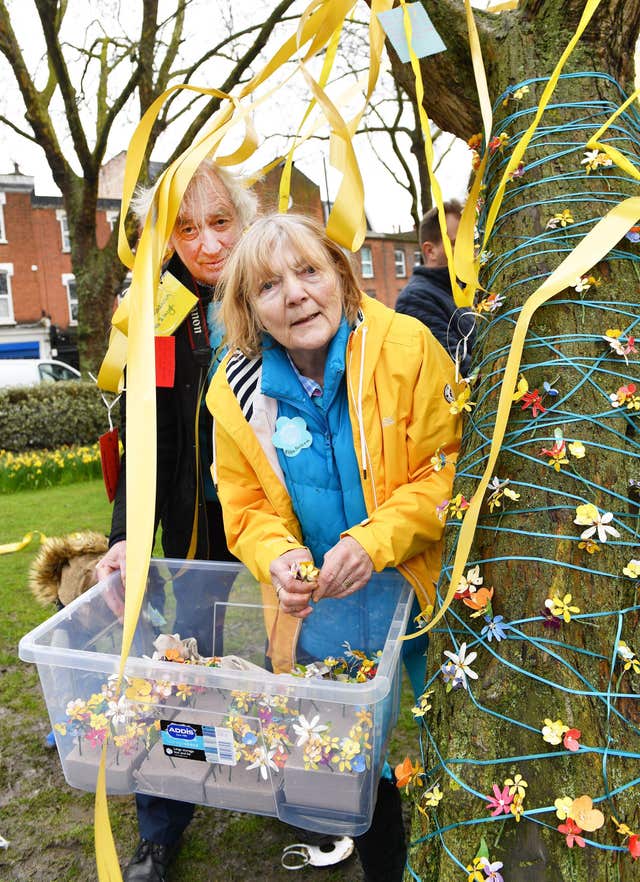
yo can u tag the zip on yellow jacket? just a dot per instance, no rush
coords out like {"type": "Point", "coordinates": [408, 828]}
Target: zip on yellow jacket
{"type": "Point", "coordinates": [400, 385]}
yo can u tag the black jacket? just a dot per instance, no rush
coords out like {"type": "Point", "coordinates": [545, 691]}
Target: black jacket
{"type": "Point", "coordinates": [427, 296]}
{"type": "Point", "coordinates": [179, 483]}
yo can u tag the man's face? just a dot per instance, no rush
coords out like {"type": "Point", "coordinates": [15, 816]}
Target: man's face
{"type": "Point", "coordinates": [434, 253]}
{"type": "Point", "coordinates": [205, 234]}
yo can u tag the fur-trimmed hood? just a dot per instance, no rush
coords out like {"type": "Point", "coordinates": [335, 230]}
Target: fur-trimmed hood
{"type": "Point", "coordinates": [65, 566]}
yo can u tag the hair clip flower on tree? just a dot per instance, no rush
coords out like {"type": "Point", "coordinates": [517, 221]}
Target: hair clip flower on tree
{"type": "Point", "coordinates": [625, 396]}
{"type": "Point", "coordinates": [595, 160]}
{"type": "Point", "coordinates": [561, 219]}
{"type": "Point", "coordinates": [589, 516]}
{"type": "Point", "coordinates": [619, 344]}
{"type": "Point", "coordinates": [500, 489]}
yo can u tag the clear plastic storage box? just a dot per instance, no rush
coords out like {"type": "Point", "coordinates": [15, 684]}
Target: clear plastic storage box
{"type": "Point", "coordinates": [308, 749]}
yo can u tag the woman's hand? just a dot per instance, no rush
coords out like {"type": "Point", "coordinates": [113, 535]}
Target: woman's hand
{"type": "Point", "coordinates": [347, 568]}
{"type": "Point", "coordinates": [293, 594]}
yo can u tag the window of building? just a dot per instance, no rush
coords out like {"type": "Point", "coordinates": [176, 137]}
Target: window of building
{"type": "Point", "coordinates": [3, 230]}
{"type": "Point", "coordinates": [61, 216]}
{"type": "Point", "coordinates": [6, 300]}
{"type": "Point", "coordinates": [69, 281]}
{"type": "Point", "coordinates": [401, 264]}
{"type": "Point", "coordinates": [366, 262]}
{"type": "Point", "coordinates": [417, 258]}
{"type": "Point", "coordinates": [112, 217]}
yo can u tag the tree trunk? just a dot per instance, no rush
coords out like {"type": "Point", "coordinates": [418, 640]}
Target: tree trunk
{"type": "Point", "coordinates": [528, 550]}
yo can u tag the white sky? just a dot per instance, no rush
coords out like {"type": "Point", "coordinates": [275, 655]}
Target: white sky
{"type": "Point", "coordinates": [386, 203]}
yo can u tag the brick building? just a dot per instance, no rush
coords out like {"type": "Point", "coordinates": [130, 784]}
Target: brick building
{"type": "Point", "coordinates": [385, 263]}
{"type": "Point", "coordinates": [38, 302]}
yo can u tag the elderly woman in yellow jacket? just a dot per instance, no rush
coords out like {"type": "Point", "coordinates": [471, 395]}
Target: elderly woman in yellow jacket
{"type": "Point", "coordinates": [333, 441]}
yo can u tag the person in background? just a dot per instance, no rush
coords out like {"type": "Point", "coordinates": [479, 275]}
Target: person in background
{"type": "Point", "coordinates": [428, 297]}
{"type": "Point", "coordinates": [214, 211]}
{"type": "Point", "coordinates": [332, 425]}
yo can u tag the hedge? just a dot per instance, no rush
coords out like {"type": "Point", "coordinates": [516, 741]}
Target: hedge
{"type": "Point", "coordinates": [51, 415]}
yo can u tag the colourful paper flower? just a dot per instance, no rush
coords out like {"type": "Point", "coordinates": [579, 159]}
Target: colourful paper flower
{"type": "Point", "coordinates": [550, 621]}
{"type": "Point", "coordinates": [585, 815]}
{"type": "Point", "coordinates": [492, 302]}
{"type": "Point", "coordinates": [462, 403]}
{"type": "Point", "coordinates": [633, 235]}
{"type": "Point", "coordinates": [561, 608]}
{"type": "Point", "coordinates": [549, 390]}
{"type": "Point", "coordinates": [634, 846]}
{"type": "Point", "coordinates": [619, 344]}
{"type": "Point", "coordinates": [408, 775]}
{"type": "Point", "coordinates": [470, 583]}
{"type": "Point", "coordinates": [576, 449]}
{"type": "Point", "coordinates": [480, 601]}
{"type": "Point", "coordinates": [563, 807]}
{"type": "Point", "coordinates": [422, 705]}
{"type": "Point", "coordinates": [457, 506]}
{"type": "Point", "coordinates": [517, 807]}
{"type": "Point", "coordinates": [517, 786]}
{"type": "Point", "coordinates": [626, 395]}
{"type": "Point", "coordinates": [306, 729]}
{"type": "Point", "coordinates": [589, 546]}
{"type": "Point", "coordinates": [499, 142]}
{"type": "Point", "coordinates": [561, 219]}
{"type": "Point", "coordinates": [631, 662]}
{"type": "Point", "coordinates": [475, 141]}
{"type": "Point", "coordinates": [475, 871]}
{"type": "Point", "coordinates": [521, 388]}
{"type": "Point", "coordinates": [589, 515]}
{"type": "Point", "coordinates": [462, 661]}
{"type": "Point", "coordinates": [571, 831]}
{"type": "Point", "coordinates": [263, 760]}
{"type": "Point", "coordinates": [557, 455]}
{"type": "Point", "coordinates": [291, 435]}
{"type": "Point", "coordinates": [500, 801]}
{"type": "Point", "coordinates": [499, 489]}
{"type": "Point", "coordinates": [517, 172]}
{"type": "Point", "coordinates": [491, 870]}
{"type": "Point", "coordinates": [438, 460]}
{"type": "Point", "coordinates": [494, 628]}
{"type": "Point", "coordinates": [552, 731]}
{"type": "Point", "coordinates": [632, 569]}
{"type": "Point", "coordinates": [433, 796]}
{"type": "Point", "coordinates": [534, 401]}
{"type": "Point", "coordinates": [571, 741]}
{"type": "Point", "coordinates": [595, 159]}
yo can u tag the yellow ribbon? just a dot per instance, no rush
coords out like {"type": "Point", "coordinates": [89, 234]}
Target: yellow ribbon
{"type": "Point", "coordinates": [615, 155]}
{"type": "Point", "coordinates": [459, 296]}
{"type": "Point", "coordinates": [318, 26]}
{"type": "Point", "coordinates": [10, 547]}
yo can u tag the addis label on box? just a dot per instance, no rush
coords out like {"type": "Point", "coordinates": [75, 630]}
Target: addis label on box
{"type": "Point", "coordinates": [211, 744]}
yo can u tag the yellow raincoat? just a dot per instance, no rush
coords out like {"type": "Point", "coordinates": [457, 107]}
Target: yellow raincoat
{"type": "Point", "coordinates": [400, 385]}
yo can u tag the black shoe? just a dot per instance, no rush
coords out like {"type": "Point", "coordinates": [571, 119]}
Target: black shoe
{"type": "Point", "coordinates": [149, 862]}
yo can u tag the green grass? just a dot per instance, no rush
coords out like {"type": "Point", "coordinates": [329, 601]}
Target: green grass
{"type": "Point", "coordinates": [49, 825]}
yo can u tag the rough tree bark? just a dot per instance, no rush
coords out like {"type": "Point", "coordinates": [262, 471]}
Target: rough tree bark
{"type": "Point", "coordinates": [528, 550]}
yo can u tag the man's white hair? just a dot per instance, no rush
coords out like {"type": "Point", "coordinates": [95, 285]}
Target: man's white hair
{"type": "Point", "coordinates": [242, 198]}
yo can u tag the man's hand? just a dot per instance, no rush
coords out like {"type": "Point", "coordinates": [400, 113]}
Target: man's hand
{"type": "Point", "coordinates": [293, 594]}
{"type": "Point", "coordinates": [115, 559]}
{"type": "Point", "coordinates": [347, 568]}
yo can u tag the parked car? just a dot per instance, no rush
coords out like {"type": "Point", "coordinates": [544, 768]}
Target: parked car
{"type": "Point", "coordinates": [31, 371]}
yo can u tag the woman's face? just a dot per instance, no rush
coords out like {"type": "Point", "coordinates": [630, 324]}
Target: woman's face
{"type": "Point", "coordinates": [300, 304]}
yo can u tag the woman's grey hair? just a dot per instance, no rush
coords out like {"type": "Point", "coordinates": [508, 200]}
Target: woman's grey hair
{"type": "Point", "coordinates": [243, 199]}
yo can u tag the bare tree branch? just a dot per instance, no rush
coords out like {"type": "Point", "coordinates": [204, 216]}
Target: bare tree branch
{"type": "Point", "coordinates": [50, 19]}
